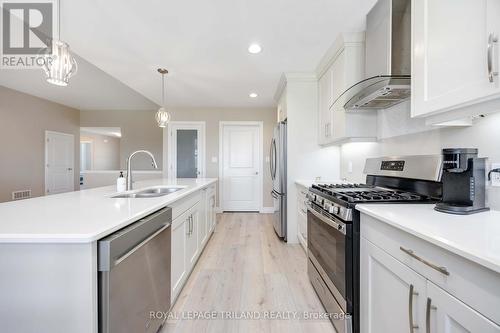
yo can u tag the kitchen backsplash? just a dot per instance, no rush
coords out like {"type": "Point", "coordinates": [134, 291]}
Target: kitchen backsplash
{"type": "Point", "coordinates": [484, 135]}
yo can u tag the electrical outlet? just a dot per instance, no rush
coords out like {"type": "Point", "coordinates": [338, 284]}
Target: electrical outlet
{"type": "Point", "coordinates": [495, 176]}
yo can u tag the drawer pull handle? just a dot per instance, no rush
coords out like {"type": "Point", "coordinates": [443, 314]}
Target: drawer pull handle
{"type": "Point", "coordinates": [412, 254]}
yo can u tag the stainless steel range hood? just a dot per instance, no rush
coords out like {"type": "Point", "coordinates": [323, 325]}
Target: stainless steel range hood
{"type": "Point", "coordinates": [388, 58]}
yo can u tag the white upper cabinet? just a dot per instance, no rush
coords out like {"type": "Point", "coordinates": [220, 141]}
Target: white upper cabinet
{"type": "Point", "coordinates": [282, 108]}
{"type": "Point", "coordinates": [325, 100]}
{"type": "Point", "coordinates": [342, 67]}
{"type": "Point", "coordinates": [455, 55]}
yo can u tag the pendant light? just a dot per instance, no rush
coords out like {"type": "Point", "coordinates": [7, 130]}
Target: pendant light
{"type": "Point", "coordinates": [162, 115]}
{"type": "Point", "coordinates": [59, 66]}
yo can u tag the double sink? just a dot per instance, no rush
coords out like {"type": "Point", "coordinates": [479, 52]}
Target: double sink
{"type": "Point", "coordinates": [150, 192]}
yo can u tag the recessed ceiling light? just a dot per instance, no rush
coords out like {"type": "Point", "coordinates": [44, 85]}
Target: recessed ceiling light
{"type": "Point", "coordinates": [253, 95]}
{"type": "Point", "coordinates": [254, 48]}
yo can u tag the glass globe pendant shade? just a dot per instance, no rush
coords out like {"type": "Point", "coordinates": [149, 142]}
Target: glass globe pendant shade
{"type": "Point", "coordinates": [60, 66]}
{"type": "Point", "coordinates": [162, 117]}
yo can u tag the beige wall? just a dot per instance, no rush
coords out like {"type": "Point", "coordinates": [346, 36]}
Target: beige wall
{"type": "Point", "coordinates": [212, 117]}
{"type": "Point", "coordinates": [23, 122]}
{"type": "Point", "coordinates": [105, 150]}
{"type": "Point", "coordinates": [139, 131]}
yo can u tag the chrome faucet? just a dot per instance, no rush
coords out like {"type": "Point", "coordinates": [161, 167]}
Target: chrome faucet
{"type": "Point", "coordinates": [129, 166]}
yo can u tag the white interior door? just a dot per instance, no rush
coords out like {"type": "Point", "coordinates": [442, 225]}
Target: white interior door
{"type": "Point", "coordinates": [59, 162]}
{"type": "Point", "coordinates": [186, 149]}
{"type": "Point", "coordinates": [241, 175]}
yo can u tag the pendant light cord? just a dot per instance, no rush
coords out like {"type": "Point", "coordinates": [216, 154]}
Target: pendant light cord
{"type": "Point", "coordinates": [163, 90]}
{"type": "Point", "coordinates": [59, 19]}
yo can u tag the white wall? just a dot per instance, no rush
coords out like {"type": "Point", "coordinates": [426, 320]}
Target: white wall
{"type": "Point", "coordinates": [305, 159]}
{"type": "Point", "coordinates": [484, 135]}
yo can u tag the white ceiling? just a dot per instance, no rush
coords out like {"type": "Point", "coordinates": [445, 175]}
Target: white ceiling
{"type": "Point", "coordinates": [89, 89]}
{"type": "Point", "coordinates": [204, 45]}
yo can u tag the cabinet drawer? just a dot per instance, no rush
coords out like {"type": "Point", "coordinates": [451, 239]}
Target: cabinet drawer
{"type": "Point", "coordinates": [473, 284]}
{"type": "Point", "coordinates": [182, 205]}
{"type": "Point", "coordinates": [211, 189]}
{"type": "Point", "coordinates": [301, 192]}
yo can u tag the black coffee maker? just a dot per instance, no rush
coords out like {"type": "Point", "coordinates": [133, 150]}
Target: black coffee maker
{"type": "Point", "coordinates": [463, 182]}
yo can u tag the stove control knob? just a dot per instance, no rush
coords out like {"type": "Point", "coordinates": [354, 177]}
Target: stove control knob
{"type": "Point", "coordinates": [334, 210]}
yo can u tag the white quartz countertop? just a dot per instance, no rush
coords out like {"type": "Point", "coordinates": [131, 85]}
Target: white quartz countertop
{"type": "Point", "coordinates": [84, 216]}
{"type": "Point", "coordinates": [475, 237]}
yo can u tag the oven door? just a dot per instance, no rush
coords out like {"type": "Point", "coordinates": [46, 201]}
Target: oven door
{"type": "Point", "coordinates": [328, 246]}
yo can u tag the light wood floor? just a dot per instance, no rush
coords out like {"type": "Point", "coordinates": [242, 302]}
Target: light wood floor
{"type": "Point", "coordinates": [246, 268]}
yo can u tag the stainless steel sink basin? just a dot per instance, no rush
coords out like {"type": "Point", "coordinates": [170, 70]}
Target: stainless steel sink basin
{"type": "Point", "coordinates": [152, 192]}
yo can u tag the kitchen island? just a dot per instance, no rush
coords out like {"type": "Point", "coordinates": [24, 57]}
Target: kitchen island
{"type": "Point", "coordinates": [49, 252]}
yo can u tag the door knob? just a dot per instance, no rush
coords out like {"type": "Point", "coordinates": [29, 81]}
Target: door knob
{"type": "Point", "coordinates": [256, 172]}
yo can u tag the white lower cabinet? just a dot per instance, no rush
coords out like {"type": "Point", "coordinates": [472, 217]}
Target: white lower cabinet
{"type": "Point", "coordinates": [192, 240]}
{"type": "Point", "coordinates": [191, 229]}
{"type": "Point", "coordinates": [449, 315]}
{"type": "Point", "coordinates": [392, 295]}
{"type": "Point", "coordinates": [211, 214]}
{"type": "Point", "coordinates": [203, 227]}
{"type": "Point", "coordinates": [302, 216]}
{"type": "Point", "coordinates": [178, 271]}
{"type": "Point", "coordinates": [395, 298]}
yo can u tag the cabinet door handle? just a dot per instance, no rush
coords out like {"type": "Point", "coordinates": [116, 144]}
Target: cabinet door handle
{"type": "Point", "coordinates": [412, 254]}
{"type": "Point", "coordinates": [191, 224]}
{"type": "Point", "coordinates": [428, 309]}
{"type": "Point", "coordinates": [492, 39]}
{"type": "Point", "coordinates": [410, 307]}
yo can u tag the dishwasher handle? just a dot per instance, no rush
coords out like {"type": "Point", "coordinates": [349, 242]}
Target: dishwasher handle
{"type": "Point", "coordinates": [114, 248]}
{"type": "Point", "coordinates": [141, 244]}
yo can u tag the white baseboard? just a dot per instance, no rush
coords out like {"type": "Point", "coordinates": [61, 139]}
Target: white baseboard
{"type": "Point", "coordinates": [264, 210]}
{"type": "Point", "coordinates": [267, 210]}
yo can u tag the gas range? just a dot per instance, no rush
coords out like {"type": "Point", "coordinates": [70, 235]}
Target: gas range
{"type": "Point", "coordinates": [340, 199]}
{"type": "Point", "coordinates": [334, 226]}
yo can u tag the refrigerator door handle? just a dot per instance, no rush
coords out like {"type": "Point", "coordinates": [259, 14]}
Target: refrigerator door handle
{"type": "Point", "coordinates": [273, 175]}
{"type": "Point", "coordinates": [271, 158]}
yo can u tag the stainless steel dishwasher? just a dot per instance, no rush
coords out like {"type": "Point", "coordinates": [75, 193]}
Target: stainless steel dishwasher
{"type": "Point", "coordinates": [134, 275]}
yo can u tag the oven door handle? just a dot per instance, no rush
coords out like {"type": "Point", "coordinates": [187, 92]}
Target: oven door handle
{"type": "Point", "coordinates": [340, 227]}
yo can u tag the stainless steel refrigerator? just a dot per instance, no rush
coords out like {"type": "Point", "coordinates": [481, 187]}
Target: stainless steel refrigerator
{"type": "Point", "coordinates": [278, 175]}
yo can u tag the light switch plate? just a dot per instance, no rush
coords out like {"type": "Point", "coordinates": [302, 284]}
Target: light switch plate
{"type": "Point", "coordinates": [495, 176]}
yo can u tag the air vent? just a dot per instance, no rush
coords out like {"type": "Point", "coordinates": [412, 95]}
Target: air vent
{"type": "Point", "coordinates": [19, 195]}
